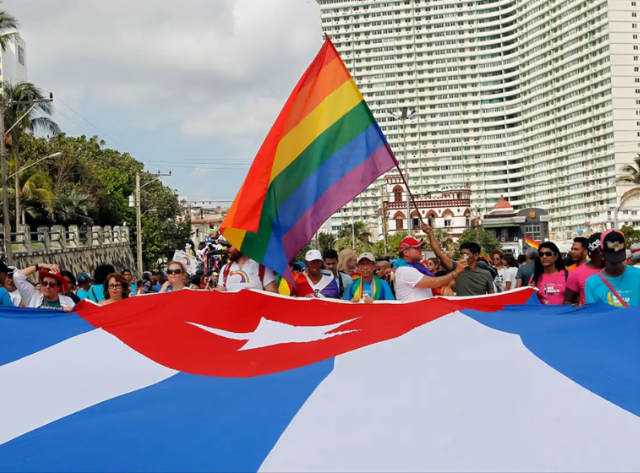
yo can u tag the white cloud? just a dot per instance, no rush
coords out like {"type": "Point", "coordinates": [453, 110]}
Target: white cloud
{"type": "Point", "coordinates": [172, 61]}
{"type": "Point", "coordinates": [228, 119]}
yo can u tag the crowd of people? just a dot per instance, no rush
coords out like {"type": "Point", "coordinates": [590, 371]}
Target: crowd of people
{"type": "Point", "coordinates": [598, 269]}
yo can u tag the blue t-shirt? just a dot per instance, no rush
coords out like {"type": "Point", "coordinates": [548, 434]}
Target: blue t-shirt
{"type": "Point", "coordinates": [134, 289]}
{"type": "Point", "coordinates": [627, 285]}
{"type": "Point", "coordinates": [5, 298]}
{"type": "Point", "coordinates": [386, 294]}
{"type": "Point", "coordinates": [96, 293]}
{"type": "Point", "coordinates": [82, 294]}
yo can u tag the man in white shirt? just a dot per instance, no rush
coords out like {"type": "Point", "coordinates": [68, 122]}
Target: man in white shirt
{"type": "Point", "coordinates": [414, 281]}
{"type": "Point", "coordinates": [242, 272]}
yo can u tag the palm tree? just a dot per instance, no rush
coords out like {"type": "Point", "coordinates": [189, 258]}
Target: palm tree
{"type": "Point", "coordinates": [73, 206]}
{"type": "Point", "coordinates": [360, 229]}
{"type": "Point", "coordinates": [18, 100]}
{"type": "Point", "coordinates": [632, 178]}
{"type": "Point", "coordinates": [36, 190]}
{"type": "Point", "coordinates": [8, 29]}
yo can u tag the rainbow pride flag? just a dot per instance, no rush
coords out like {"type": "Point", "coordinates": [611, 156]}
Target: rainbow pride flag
{"type": "Point", "coordinates": [531, 243]}
{"type": "Point", "coordinates": [324, 149]}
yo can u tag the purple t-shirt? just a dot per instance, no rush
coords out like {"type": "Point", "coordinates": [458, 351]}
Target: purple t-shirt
{"type": "Point", "coordinates": [551, 288]}
{"type": "Point", "coordinates": [578, 278]}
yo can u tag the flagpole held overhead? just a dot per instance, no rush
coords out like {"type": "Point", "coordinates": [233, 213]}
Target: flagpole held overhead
{"type": "Point", "coordinates": [324, 149]}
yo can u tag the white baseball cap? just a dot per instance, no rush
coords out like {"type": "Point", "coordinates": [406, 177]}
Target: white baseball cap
{"type": "Point", "coordinates": [368, 256]}
{"type": "Point", "coordinates": [313, 255]}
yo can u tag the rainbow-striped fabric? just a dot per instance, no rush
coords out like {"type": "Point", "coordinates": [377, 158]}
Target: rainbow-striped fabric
{"type": "Point", "coordinates": [531, 243]}
{"type": "Point", "coordinates": [323, 150]}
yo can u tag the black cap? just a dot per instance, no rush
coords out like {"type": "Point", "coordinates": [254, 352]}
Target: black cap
{"type": "Point", "coordinates": [594, 243]}
{"type": "Point", "coordinates": [3, 267]}
{"type": "Point", "coordinates": [614, 246]}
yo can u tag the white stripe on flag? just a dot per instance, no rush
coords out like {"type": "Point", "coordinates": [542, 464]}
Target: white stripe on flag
{"type": "Point", "coordinates": [454, 395]}
{"type": "Point", "coordinates": [68, 377]}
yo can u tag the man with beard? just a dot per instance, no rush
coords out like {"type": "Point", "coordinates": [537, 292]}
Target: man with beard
{"type": "Point", "coordinates": [242, 272]}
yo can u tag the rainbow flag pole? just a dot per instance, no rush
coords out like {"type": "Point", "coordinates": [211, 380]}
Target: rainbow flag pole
{"type": "Point", "coordinates": [324, 149]}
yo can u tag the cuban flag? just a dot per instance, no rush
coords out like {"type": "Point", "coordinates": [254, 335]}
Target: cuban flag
{"type": "Point", "coordinates": [201, 381]}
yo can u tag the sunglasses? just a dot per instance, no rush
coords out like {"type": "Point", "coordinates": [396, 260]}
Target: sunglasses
{"type": "Point", "coordinates": [115, 286]}
{"type": "Point", "coordinates": [174, 271]}
{"type": "Point", "coordinates": [546, 253]}
{"type": "Point", "coordinates": [49, 284]}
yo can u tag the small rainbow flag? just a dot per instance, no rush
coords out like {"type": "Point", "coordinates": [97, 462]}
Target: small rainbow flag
{"type": "Point", "coordinates": [531, 243]}
{"type": "Point", "coordinates": [323, 150]}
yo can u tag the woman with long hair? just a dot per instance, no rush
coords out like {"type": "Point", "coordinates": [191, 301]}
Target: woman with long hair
{"type": "Point", "coordinates": [115, 288]}
{"type": "Point", "coordinates": [176, 272]}
{"type": "Point", "coordinates": [347, 261]}
{"type": "Point", "coordinates": [549, 274]}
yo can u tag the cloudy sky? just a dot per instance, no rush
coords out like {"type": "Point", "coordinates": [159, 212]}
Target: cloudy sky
{"type": "Point", "coordinates": [190, 86]}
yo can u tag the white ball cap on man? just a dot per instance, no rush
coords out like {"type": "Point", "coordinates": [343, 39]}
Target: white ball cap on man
{"type": "Point", "coordinates": [313, 255]}
{"type": "Point", "coordinates": [368, 256]}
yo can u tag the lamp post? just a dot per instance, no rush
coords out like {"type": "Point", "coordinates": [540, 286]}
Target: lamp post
{"type": "Point", "coordinates": [137, 202]}
{"type": "Point", "coordinates": [54, 155]}
{"type": "Point", "coordinates": [404, 115]}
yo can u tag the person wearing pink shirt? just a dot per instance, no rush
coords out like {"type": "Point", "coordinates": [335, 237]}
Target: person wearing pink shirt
{"type": "Point", "coordinates": [549, 275]}
{"type": "Point", "coordinates": [574, 294]}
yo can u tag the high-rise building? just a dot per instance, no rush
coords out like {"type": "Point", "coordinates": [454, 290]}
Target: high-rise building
{"type": "Point", "coordinates": [536, 100]}
{"type": "Point", "coordinates": [13, 62]}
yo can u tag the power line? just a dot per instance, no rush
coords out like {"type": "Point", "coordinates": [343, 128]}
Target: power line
{"type": "Point", "coordinates": [76, 124]}
{"type": "Point", "coordinates": [95, 126]}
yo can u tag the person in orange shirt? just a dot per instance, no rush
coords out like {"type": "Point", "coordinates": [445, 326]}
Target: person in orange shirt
{"type": "Point", "coordinates": [579, 252]}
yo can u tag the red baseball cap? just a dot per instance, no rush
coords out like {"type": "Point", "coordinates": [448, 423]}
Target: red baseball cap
{"type": "Point", "coordinates": [410, 242]}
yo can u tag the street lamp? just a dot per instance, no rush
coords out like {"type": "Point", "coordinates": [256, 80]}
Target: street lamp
{"type": "Point", "coordinates": [402, 116]}
{"type": "Point", "coordinates": [8, 253]}
{"type": "Point", "coordinates": [135, 201]}
{"type": "Point", "coordinates": [54, 155]}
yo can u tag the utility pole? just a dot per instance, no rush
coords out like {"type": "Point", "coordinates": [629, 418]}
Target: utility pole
{"type": "Point", "coordinates": [404, 115]}
{"type": "Point", "coordinates": [139, 216]}
{"type": "Point", "coordinates": [353, 227]}
{"type": "Point", "coordinates": [33, 104]}
{"type": "Point", "coordinates": [139, 225]}
{"type": "Point", "coordinates": [384, 220]}
{"type": "Point", "coordinates": [406, 168]}
{"type": "Point", "coordinates": [8, 255]}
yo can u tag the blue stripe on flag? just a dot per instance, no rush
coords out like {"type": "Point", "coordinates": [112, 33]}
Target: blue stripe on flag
{"type": "Point", "coordinates": [24, 332]}
{"type": "Point", "coordinates": [595, 345]}
{"type": "Point", "coordinates": [185, 423]}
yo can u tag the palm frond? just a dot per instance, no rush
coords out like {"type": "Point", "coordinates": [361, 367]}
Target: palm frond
{"type": "Point", "coordinates": [45, 124]}
{"type": "Point", "coordinates": [8, 29]}
{"type": "Point", "coordinates": [630, 194]}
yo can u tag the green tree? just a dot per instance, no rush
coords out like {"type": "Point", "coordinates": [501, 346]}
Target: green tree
{"type": "Point", "coordinates": [631, 234]}
{"type": "Point", "coordinates": [394, 242]}
{"type": "Point", "coordinates": [21, 117]}
{"type": "Point", "coordinates": [362, 232]}
{"type": "Point", "coordinates": [485, 238]}
{"type": "Point", "coordinates": [107, 177]}
{"type": "Point", "coordinates": [444, 240]}
{"type": "Point", "coordinates": [326, 241]}
{"type": "Point", "coordinates": [632, 178]}
{"type": "Point", "coordinates": [73, 206]}
{"type": "Point", "coordinates": [300, 257]}
{"type": "Point", "coordinates": [35, 189]}
{"type": "Point", "coordinates": [8, 29]}
{"type": "Point", "coordinates": [346, 243]}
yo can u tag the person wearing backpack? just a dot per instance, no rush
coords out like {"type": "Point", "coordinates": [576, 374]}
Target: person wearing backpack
{"type": "Point", "coordinates": [549, 275]}
{"type": "Point", "coordinates": [242, 272]}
